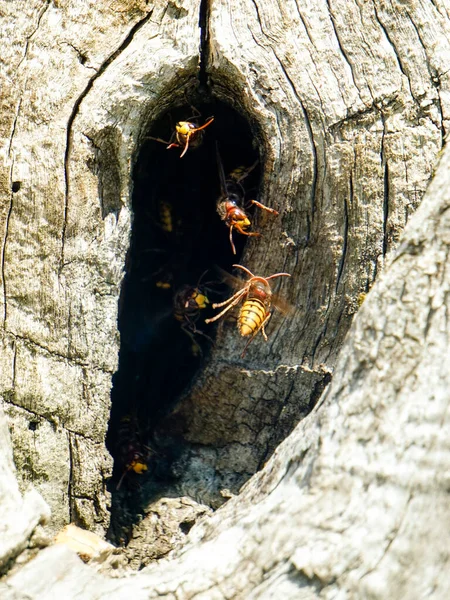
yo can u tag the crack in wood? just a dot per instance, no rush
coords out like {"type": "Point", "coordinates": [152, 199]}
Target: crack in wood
{"type": "Point", "coordinates": [345, 243]}
{"type": "Point", "coordinates": [203, 22]}
{"type": "Point", "coordinates": [53, 420]}
{"type": "Point", "coordinates": [8, 396]}
{"type": "Point", "coordinates": [70, 494]}
{"type": "Point", "coordinates": [73, 361]}
{"type": "Point", "coordinates": [311, 41]}
{"type": "Point", "coordinates": [384, 163]}
{"type": "Point", "coordinates": [394, 49]}
{"type": "Point", "coordinates": [28, 38]}
{"type": "Point", "coordinates": [433, 75]}
{"type": "Point", "coordinates": [258, 16]}
{"type": "Point", "coordinates": [385, 208]}
{"type": "Point", "coordinates": [13, 129]}
{"type": "Point", "coordinates": [5, 240]}
{"type": "Point", "coordinates": [8, 217]}
{"type": "Point", "coordinates": [82, 58]}
{"type": "Point", "coordinates": [315, 162]}
{"type": "Point", "coordinates": [75, 110]}
{"type": "Point", "coordinates": [343, 52]}
{"type": "Point", "coordinates": [14, 361]}
{"type": "Point", "coordinates": [320, 337]}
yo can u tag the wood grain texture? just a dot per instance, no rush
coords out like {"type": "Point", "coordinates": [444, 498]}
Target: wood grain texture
{"type": "Point", "coordinates": [63, 242]}
{"type": "Point", "coordinates": [354, 502]}
{"type": "Point", "coordinates": [349, 106]}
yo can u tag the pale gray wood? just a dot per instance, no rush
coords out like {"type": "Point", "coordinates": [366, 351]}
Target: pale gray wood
{"type": "Point", "coordinates": [19, 515]}
{"type": "Point", "coordinates": [355, 502]}
{"type": "Point", "coordinates": [349, 102]}
{"type": "Point", "coordinates": [63, 251]}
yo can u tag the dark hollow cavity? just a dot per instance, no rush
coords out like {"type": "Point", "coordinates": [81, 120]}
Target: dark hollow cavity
{"type": "Point", "coordinates": [177, 239]}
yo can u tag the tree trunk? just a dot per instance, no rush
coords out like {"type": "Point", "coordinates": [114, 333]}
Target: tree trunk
{"type": "Point", "coordinates": [348, 105]}
{"type": "Point", "coordinates": [62, 260]}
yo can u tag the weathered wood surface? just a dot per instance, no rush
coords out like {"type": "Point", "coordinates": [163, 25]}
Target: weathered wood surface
{"type": "Point", "coordinates": [19, 515]}
{"type": "Point", "coordinates": [66, 230]}
{"type": "Point", "coordinates": [354, 504]}
{"type": "Point", "coordinates": [349, 103]}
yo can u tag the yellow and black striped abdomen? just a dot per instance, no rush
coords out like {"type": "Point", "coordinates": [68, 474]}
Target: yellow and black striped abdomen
{"type": "Point", "coordinates": [238, 173]}
{"type": "Point", "coordinates": [251, 316]}
{"type": "Point", "coordinates": [165, 216]}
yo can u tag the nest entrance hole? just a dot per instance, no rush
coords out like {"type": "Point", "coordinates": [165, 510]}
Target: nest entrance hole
{"type": "Point", "coordinates": [177, 239]}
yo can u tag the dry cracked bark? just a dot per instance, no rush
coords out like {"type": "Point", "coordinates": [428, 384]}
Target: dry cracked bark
{"type": "Point", "coordinates": [62, 262]}
{"type": "Point", "coordinates": [339, 101]}
{"type": "Point", "coordinates": [354, 502]}
{"type": "Point", "coordinates": [349, 104]}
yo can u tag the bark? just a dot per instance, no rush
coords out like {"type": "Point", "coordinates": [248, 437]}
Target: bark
{"type": "Point", "coordinates": [355, 502]}
{"type": "Point", "coordinates": [341, 97]}
{"type": "Point", "coordinates": [349, 104]}
{"type": "Point", "coordinates": [64, 243]}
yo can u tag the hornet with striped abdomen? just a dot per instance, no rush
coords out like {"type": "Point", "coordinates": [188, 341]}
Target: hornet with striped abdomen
{"type": "Point", "coordinates": [187, 134]}
{"type": "Point", "coordinates": [133, 454]}
{"type": "Point", "coordinates": [257, 301]}
{"type": "Point", "coordinates": [231, 202]}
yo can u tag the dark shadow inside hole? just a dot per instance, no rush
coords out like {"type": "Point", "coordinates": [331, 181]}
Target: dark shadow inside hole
{"type": "Point", "coordinates": [177, 239]}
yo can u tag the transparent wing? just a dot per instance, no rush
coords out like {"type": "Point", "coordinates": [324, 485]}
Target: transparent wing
{"type": "Point", "coordinates": [223, 185]}
{"type": "Point", "coordinates": [237, 283]}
